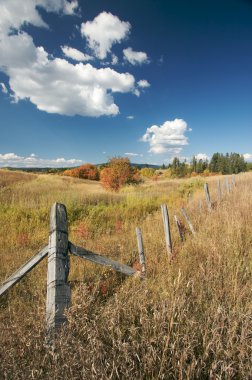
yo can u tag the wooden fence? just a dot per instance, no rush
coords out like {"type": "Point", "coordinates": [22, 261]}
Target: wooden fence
{"type": "Point", "coordinates": [59, 247]}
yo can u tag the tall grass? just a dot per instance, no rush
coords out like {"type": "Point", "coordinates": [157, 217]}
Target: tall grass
{"type": "Point", "coordinates": [190, 319]}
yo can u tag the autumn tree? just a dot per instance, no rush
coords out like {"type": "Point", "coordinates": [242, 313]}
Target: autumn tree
{"type": "Point", "coordinates": [118, 173]}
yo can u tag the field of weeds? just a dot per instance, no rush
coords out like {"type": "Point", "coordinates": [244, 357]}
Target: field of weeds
{"type": "Point", "coordinates": [190, 319]}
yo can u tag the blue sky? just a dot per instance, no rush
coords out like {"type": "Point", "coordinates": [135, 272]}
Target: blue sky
{"type": "Point", "coordinates": [82, 81]}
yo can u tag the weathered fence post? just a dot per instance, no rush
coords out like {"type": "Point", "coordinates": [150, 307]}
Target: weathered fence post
{"type": "Point", "coordinates": [207, 194]}
{"type": "Point", "coordinates": [177, 222]}
{"type": "Point", "coordinates": [227, 185]}
{"type": "Point", "coordinates": [141, 251]}
{"type": "Point", "coordinates": [188, 220]}
{"type": "Point", "coordinates": [58, 289]}
{"type": "Point", "coordinates": [219, 190]}
{"type": "Point", "coordinates": [167, 231]}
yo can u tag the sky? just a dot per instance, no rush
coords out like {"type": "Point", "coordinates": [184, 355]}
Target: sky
{"type": "Point", "coordinates": [83, 81]}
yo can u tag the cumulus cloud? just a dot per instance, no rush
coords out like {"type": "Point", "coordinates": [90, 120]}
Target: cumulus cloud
{"type": "Point", "coordinates": [15, 13]}
{"type": "Point", "coordinates": [143, 83]}
{"type": "Point", "coordinates": [247, 157]}
{"type": "Point", "coordinates": [201, 156]}
{"type": "Point", "coordinates": [135, 57]}
{"type": "Point", "coordinates": [3, 88]}
{"type": "Point", "coordinates": [168, 138]}
{"type": "Point", "coordinates": [75, 54]}
{"type": "Point", "coordinates": [57, 86]}
{"type": "Point", "coordinates": [13, 160]}
{"type": "Point", "coordinates": [103, 32]}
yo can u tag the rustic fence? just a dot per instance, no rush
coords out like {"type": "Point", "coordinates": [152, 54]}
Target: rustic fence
{"type": "Point", "coordinates": [59, 248]}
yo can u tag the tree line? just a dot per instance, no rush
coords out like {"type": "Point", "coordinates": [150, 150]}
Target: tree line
{"type": "Point", "coordinates": [230, 163]}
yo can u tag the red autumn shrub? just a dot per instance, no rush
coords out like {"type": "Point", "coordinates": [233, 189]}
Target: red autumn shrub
{"type": "Point", "coordinates": [118, 173]}
{"type": "Point", "coordinates": [87, 171]}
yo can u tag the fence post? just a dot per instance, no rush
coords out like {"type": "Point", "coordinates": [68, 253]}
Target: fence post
{"type": "Point", "coordinates": [58, 289]}
{"type": "Point", "coordinates": [188, 220]}
{"type": "Point", "coordinates": [207, 194]}
{"type": "Point", "coordinates": [141, 251]}
{"type": "Point", "coordinates": [167, 231]}
{"type": "Point", "coordinates": [177, 222]}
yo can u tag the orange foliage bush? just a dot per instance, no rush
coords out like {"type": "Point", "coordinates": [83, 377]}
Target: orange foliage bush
{"type": "Point", "coordinates": [87, 171]}
{"type": "Point", "coordinates": [118, 173]}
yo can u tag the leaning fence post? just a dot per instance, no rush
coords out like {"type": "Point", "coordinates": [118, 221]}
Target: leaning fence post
{"type": "Point", "coordinates": [177, 222]}
{"type": "Point", "coordinates": [141, 251]}
{"type": "Point", "coordinates": [58, 289]}
{"type": "Point", "coordinates": [188, 220]}
{"type": "Point", "coordinates": [167, 231]}
{"type": "Point", "coordinates": [219, 191]}
{"type": "Point", "coordinates": [207, 194]}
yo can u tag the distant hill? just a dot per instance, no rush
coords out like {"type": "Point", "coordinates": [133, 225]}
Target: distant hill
{"type": "Point", "coordinates": [60, 170]}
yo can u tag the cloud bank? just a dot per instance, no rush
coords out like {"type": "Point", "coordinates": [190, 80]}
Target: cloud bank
{"type": "Point", "coordinates": [33, 161]}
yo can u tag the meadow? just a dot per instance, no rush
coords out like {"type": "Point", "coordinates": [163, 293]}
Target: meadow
{"type": "Point", "coordinates": [191, 318]}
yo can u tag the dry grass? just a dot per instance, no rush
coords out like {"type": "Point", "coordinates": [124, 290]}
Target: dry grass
{"type": "Point", "coordinates": [191, 318]}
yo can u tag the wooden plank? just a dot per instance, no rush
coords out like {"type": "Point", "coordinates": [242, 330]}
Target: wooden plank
{"type": "Point", "coordinates": [188, 220]}
{"type": "Point", "coordinates": [101, 260]}
{"type": "Point", "coordinates": [23, 270]}
{"type": "Point", "coordinates": [208, 199]}
{"type": "Point", "coordinates": [58, 289]}
{"type": "Point", "coordinates": [167, 230]}
{"type": "Point", "coordinates": [177, 222]}
{"type": "Point", "coordinates": [141, 251]}
{"type": "Point", "coordinates": [219, 194]}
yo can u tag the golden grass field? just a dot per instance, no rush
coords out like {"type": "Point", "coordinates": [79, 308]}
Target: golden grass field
{"type": "Point", "coordinates": [190, 319]}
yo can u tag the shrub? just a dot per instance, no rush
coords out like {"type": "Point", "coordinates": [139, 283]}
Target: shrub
{"type": "Point", "coordinates": [87, 171]}
{"type": "Point", "coordinates": [118, 173]}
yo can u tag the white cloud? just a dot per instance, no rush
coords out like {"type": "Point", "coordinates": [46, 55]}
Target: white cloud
{"type": "Point", "coordinates": [114, 59]}
{"type": "Point", "coordinates": [135, 57]}
{"type": "Point", "coordinates": [103, 32]}
{"type": "Point", "coordinates": [15, 13]}
{"type": "Point", "coordinates": [13, 160]}
{"type": "Point", "coordinates": [130, 117]}
{"type": "Point", "coordinates": [136, 92]}
{"type": "Point", "coordinates": [133, 154]}
{"type": "Point", "coordinates": [143, 83]}
{"type": "Point", "coordinates": [57, 86]}
{"type": "Point", "coordinates": [168, 138]}
{"type": "Point", "coordinates": [247, 157]}
{"type": "Point", "coordinates": [201, 156]}
{"type": "Point", "coordinates": [3, 88]}
{"type": "Point", "coordinates": [75, 54]}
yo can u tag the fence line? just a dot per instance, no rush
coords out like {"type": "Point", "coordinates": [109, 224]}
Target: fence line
{"type": "Point", "coordinates": [59, 247]}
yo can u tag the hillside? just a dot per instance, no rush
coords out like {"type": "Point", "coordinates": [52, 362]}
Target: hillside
{"type": "Point", "coordinates": [190, 318]}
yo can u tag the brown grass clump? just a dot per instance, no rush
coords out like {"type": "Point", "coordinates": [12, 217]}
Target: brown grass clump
{"type": "Point", "coordinates": [190, 319]}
